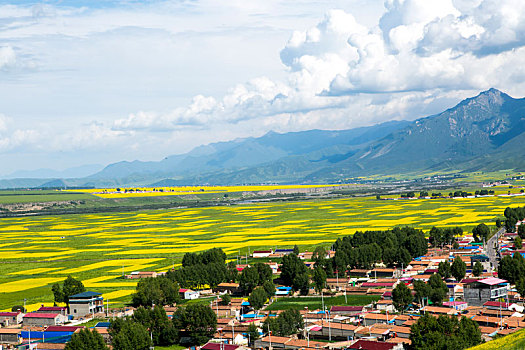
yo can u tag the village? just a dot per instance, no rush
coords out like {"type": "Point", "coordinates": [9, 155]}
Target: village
{"type": "Point", "coordinates": [492, 302]}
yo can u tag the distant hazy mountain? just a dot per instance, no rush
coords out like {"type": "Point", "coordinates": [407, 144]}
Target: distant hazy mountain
{"type": "Point", "coordinates": [486, 132]}
{"type": "Point", "coordinates": [481, 126]}
{"type": "Point", "coordinates": [246, 153]}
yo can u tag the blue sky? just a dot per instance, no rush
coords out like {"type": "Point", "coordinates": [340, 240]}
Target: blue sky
{"type": "Point", "coordinates": [86, 82]}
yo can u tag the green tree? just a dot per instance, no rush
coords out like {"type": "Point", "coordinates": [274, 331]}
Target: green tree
{"type": "Point", "coordinates": [265, 273]}
{"type": "Point", "coordinates": [477, 270]}
{"type": "Point", "coordinates": [253, 334]}
{"type": "Point", "coordinates": [422, 290]}
{"type": "Point", "coordinates": [521, 231]}
{"type": "Point", "coordinates": [319, 279]}
{"type": "Point", "coordinates": [269, 288]}
{"type": "Point", "coordinates": [292, 267]}
{"type": "Point", "coordinates": [156, 320]}
{"type": "Point", "coordinates": [257, 298]}
{"type": "Point", "coordinates": [401, 297]}
{"type": "Point", "coordinates": [520, 286]}
{"type": "Point", "coordinates": [319, 254]}
{"type": "Point", "coordinates": [233, 273]}
{"type": "Point", "coordinates": [156, 291]}
{"type": "Point", "coordinates": [271, 324]}
{"type": "Point", "coordinates": [131, 336]}
{"type": "Point", "coordinates": [458, 269]}
{"type": "Point", "coordinates": [71, 286]}
{"type": "Point", "coordinates": [438, 289]}
{"type": "Point", "coordinates": [518, 243]}
{"type": "Point", "coordinates": [507, 269]}
{"type": "Point", "coordinates": [249, 279]}
{"type": "Point", "coordinates": [291, 322]}
{"type": "Point", "coordinates": [58, 295]}
{"type": "Point", "coordinates": [86, 339]}
{"type": "Point", "coordinates": [18, 308]}
{"type": "Point", "coordinates": [444, 269]}
{"type": "Point", "coordinates": [296, 249]}
{"type": "Point", "coordinates": [199, 321]}
{"type": "Point", "coordinates": [519, 267]}
{"type": "Point", "coordinates": [226, 299]}
{"type": "Point", "coordinates": [444, 333]}
{"type": "Point", "coordinates": [301, 283]}
{"type": "Point", "coordinates": [480, 232]}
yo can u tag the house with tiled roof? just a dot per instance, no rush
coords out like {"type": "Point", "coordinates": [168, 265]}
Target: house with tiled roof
{"type": "Point", "coordinates": [86, 303]}
{"type": "Point", "coordinates": [53, 309]}
{"type": "Point", "coordinates": [10, 336]}
{"type": "Point", "coordinates": [372, 318]}
{"type": "Point", "coordinates": [436, 310]}
{"type": "Point", "coordinates": [374, 345]}
{"type": "Point", "coordinates": [347, 310]}
{"type": "Point", "coordinates": [488, 289]}
{"type": "Point", "coordinates": [10, 318]}
{"type": "Point", "coordinates": [42, 319]}
{"type": "Point", "coordinates": [335, 329]}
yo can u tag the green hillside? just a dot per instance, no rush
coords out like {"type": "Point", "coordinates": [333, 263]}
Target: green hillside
{"type": "Point", "coordinates": [514, 341]}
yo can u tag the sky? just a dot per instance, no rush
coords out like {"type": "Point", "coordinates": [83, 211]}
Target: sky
{"type": "Point", "coordinates": [96, 82]}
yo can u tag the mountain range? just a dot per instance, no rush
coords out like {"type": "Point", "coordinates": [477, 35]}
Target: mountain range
{"type": "Point", "coordinates": [485, 132]}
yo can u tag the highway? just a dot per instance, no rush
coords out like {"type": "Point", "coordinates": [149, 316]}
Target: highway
{"type": "Point", "coordinates": [492, 252]}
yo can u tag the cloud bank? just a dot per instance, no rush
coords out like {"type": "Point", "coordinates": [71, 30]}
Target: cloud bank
{"type": "Point", "coordinates": [420, 50]}
{"type": "Point", "coordinates": [414, 58]}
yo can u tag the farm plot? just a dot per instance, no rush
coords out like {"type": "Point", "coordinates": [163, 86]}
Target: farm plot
{"type": "Point", "coordinates": [36, 252]}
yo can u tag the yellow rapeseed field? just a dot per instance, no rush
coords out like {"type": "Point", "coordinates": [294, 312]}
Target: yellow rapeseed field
{"type": "Point", "coordinates": [36, 252]}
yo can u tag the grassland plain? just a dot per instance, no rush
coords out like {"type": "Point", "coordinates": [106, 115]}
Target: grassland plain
{"type": "Point", "coordinates": [37, 251]}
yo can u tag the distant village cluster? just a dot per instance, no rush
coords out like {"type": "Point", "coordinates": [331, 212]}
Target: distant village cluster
{"type": "Point", "coordinates": [480, 293]}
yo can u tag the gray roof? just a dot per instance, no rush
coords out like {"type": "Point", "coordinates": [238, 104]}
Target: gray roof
{"type": "Point", "coordinates": [85, 295]}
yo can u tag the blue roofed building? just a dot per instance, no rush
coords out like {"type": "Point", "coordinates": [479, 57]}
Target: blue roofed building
{"type": "Point", "coordinates": [283, 291]}
{"type": "Point", "coordinates": [283, 252]}
{"type": "Point", "coordinates": [86, 303]}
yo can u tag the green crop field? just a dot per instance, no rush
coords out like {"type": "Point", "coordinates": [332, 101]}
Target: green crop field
{"type": "Point", "coordinates": [37, 251]}
{"type": "Point", "coordinates": [11, 197]}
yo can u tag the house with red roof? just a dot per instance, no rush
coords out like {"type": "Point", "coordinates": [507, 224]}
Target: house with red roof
{"type": "Point", "coordinates": [53, 309]}
{"type": "Point", "coordinates": [497, 305]}
{"type": "Point", "coordinates": [220, 346]}
{"type": "Point", "coordinates": [188, 294]}
{"type": "Point", "coordinates": [478, 292]}
{"type": "Point", "coordinates": [10, 318]}
{"type": "Point", "coordinates": [374, 345]}
{"type": "Point", "coordinates": [42, 319]}
{"type": "Point", "coordinates": [347, 310]}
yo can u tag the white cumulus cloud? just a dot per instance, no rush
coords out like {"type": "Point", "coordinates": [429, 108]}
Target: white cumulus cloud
{"type": "Point", "coordinates": [418, 48]}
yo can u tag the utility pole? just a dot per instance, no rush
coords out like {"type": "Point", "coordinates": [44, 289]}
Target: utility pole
{"type": "Point", "coordinates": [233, 332]}
{"type": "Point", "coordinates": [329, 329]}
{"type": "Point", "coordinates": [270, 335]}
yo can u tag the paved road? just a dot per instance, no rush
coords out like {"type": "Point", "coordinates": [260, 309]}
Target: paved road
{"type": "Point", "coordinates": [491, 252]}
